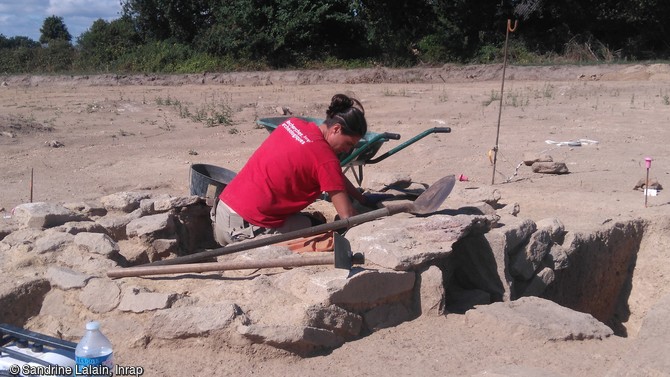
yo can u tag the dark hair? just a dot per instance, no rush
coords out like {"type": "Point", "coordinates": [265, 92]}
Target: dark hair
{"type": "Point", "coordinates": [348, 112]}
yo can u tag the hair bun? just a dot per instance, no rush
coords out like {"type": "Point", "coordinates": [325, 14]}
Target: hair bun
{"type": "Point", "coordinates": [339, 103]}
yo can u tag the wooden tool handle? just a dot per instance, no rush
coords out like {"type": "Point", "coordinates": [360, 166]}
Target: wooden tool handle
{"type": "Point", "coordinates": [220, 266]}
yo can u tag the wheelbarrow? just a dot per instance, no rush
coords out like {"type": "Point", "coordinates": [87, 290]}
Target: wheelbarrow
{"type": "Point", "coordinates": [364, 152]}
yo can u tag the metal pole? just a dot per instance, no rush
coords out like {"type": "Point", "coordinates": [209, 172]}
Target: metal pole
{"type": "Point", "coordinates": [502, 89]}
{"type": "Point", "coordinates": [647, 162]}
{"type": "Point", "coordinates": [31, 185]}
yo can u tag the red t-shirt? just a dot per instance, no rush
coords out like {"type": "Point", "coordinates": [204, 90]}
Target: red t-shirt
{"type": "Point", "coordinates": [288, 172]}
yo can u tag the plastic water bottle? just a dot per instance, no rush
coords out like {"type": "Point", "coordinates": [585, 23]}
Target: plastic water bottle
{"type": "Point", "coordinates": [93, 354]}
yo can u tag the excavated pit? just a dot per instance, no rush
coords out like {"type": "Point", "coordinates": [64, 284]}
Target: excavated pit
{"type": "Point", "coordinates": [609, 275]}
{"type": "Point", "coordinates": [615, 273]}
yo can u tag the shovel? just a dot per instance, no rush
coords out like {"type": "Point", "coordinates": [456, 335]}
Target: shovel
{"type": "Point", "coordinates": [341, 257]}
{"type": "Point", "coordinates": [429, 201]}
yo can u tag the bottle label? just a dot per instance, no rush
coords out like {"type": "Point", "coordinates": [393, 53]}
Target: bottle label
{"type": "Point", "coordinates": [94, 366]}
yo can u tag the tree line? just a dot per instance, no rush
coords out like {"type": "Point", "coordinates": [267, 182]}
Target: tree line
{"type": "Point", "coordinates": [180, 36]}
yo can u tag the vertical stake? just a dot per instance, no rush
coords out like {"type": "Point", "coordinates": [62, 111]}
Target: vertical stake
{"type": "Point", "coordinates": [647, 163]}
{"type": "Point", "coordinates": [502, 88]}
{"type": "Point", "coordinates": [31, 185]}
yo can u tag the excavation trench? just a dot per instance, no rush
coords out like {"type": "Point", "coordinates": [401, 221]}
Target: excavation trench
{"type": "Point", "coordinates": [614, 273]}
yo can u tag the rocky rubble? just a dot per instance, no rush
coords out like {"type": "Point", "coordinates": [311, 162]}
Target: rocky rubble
{"type": "Point", "coordinates": [55, 258]}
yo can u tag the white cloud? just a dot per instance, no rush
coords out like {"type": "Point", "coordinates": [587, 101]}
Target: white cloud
{"type": "Point", "coordinates": [85, 8]}
{"type": "Point", "coordinates": [25, 17]}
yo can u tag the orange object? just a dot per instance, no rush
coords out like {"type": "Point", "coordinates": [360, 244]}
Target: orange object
{"type": "Point", "coordinates": [317, 243]}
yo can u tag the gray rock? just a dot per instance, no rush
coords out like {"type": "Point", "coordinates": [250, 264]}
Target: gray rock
{"type": "Point", "coordinates": [388, 315]}
{"type": "Point", "coordinates": [429, 292]}
{"type": "Point", "coordinates": [65, 278]}
{"type": "Point", "coordinates": [555, 228]}
{"type": "Point", "coordinates": [100, 295]}
{"type": "Point", "coordinates": [407, 243]}
{"type": "Point", "coordinates": [369, 288]}
{"type": "Point", "coordinates": [550, 168]}
{"type": "Point", "coordinates": [45, 215]}
{"type": "Point", "coordinates": [539, 319]}
{"type": "Point", "coordinates": [97, 243]}
{"type": "Point", "coordinates": [74, 227]}
{"type": "Point", "coordinates": [152, 227]}
{"type": "Point", "coordinates": [162, 248]}
{"type": "Point", "coordinates": [146, 208]}
{"type": "Point", "coordinates": [557, 258]}
{"type": "Point", "coordinates": [137, 300]}
{"type": "Point", "coordinates": [115, 225]}
{"type": "Point", "coordinates": [343, 323]}
{"type": "Point", "coordinates": [123, 201]}
{"type": "Point", "coordinates": [467, 195]}
{"type": "Point", "coordinates": [87, 208]}
{"type": "Point", "coordinates": [356, 290]}
{"type": "Point", "coordinates": [511, 209]}
{"type": "Point", "coordinates": [524, 264]}
{"type": "Point", "coordinates": [300, 340]}
{"type": "Point", "coordinates": [134, 251]}
{"type": "Point", "coordinates": [516, 232]}
{"type": "Point", "coordinates": [52, 241]}
{"type": "Point", "coordinates": [184, 322]}
{"type": "Point", "coordinates": [540, 282]}
{"type": "Point", "coordinates": [6, 228]}
{"type": "Point", "coordinates": [166, 204]}
{"type": "Point", "coordinates": [26, 236]}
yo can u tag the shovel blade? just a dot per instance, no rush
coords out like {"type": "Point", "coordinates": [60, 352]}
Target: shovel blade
{"type": "Point", "coordinates": [431, 199]}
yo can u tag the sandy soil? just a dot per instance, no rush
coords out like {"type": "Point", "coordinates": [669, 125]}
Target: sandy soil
{"type": "Point", "coordinates": [85, 137]}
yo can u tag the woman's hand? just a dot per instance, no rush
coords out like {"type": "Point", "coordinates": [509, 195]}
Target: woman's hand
{"type": "Point", "coordinates": [372, 200]}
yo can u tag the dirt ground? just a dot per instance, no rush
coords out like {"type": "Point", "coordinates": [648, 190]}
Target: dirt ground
{"type": "Point", "coordinates": [85, 137]}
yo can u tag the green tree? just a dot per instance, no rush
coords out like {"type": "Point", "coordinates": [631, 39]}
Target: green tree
{"type": "Point", "coordinates": [282, 32]}
{"type": "Point", "coordinates": [54, 29]}
{"type": "Point", "coordinates": [105, 42]}
{"type": "Point", "coordinates": [396, 27]}
{"type": "Point", "coordinates": [16, 42]}
{"type": "Point", "coordinates": [285, 32]}
{"type": "Point", "coordinates": [158, 20]}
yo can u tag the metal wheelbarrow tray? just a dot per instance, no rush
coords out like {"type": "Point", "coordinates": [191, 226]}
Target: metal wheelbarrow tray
{"type": "Point", "coordinates": [366, 149]}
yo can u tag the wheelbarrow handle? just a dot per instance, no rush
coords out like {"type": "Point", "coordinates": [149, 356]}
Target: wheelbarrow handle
{"type": "Point", "coordinates": [409, 142]}
{"type": "Point", "coordinates": [382, 137]}
{"type": "Point", "coordinates": [390, 136]}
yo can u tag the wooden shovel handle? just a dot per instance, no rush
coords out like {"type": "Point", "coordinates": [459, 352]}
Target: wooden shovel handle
{"type": "Point", "coordinates": [220, 266]}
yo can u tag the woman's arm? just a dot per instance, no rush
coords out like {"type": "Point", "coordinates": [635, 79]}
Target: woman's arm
{"type": "Point", "coordinates": [342, 203]}
{"type": "Point", "coordinates": [354, 192]}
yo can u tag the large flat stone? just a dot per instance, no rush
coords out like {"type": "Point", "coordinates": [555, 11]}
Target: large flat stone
{"type": "Point", "coordinates": [301, 340]}
{"type": "Point", "coordinates": [184, 322]}
{"type": "Point", "coordinates": [538, 318]}
{"type": "Point", "coordinates": [45, 215]}
{"type": "Point", "coordinates": [405, 243]}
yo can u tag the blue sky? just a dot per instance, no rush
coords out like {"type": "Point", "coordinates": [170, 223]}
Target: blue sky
{"type": "Point", "coordinates": [25, 17]}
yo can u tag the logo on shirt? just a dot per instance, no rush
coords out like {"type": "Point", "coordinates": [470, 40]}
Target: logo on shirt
{"type": "Point", "coordinates": [295, 133]}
